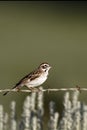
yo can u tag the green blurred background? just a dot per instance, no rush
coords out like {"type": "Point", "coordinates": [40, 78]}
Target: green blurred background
{"type": "Point", "coordinates": [34, 32]}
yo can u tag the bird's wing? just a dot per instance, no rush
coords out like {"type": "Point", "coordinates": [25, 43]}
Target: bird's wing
{"type": "Point", "coordinates": [31, 76]}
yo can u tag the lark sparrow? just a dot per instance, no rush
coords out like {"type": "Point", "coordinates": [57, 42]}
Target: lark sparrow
{"type": "Point", "coordinates": [35, 78]}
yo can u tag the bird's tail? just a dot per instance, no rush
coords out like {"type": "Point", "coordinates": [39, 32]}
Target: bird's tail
{"type": "Point", "coordinates": [6, 93]}
{"type": "Point", "coordinates": [9, 91]}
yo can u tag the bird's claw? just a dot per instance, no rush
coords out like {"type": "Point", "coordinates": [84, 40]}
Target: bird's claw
{"type": "Point", "coordinates": [35, 89]}
{"type": "Point", "coordinates": [78, 88]}
{"type": "Point", "coordinates": [18, 89]}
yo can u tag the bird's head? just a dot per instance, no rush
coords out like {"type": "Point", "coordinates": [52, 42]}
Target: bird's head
{"type": "Point", "coordinates": [44, 67]}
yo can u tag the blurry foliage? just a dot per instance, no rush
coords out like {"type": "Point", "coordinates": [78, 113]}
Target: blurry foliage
{"type": "Point", "coordinates": [73, 117]}
{"type": "Point", "coordinates": [34, 32]}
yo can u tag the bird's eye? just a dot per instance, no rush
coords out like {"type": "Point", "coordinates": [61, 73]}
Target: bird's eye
{"type": "Point", "coordinates": [44, 66]}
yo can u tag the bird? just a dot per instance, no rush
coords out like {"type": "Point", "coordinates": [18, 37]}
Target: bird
{"type": "Point", "coordinates": [34, 78]}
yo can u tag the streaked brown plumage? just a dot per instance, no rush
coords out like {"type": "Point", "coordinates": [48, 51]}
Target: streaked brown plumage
{"type": "Point", "coordinates": [35, 78]}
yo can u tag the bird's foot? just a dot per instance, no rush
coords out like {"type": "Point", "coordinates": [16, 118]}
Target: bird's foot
{"type": "Point", "coordinates": [35, 89]}
{"type": "Point", "coordinates": [18, 89]}
{"type": "Point", "coordinates": [32, 89]}
{"type": "Point", "coordinates": [78, 88]}
{"type": "Point", "coordinates": [40, 90]}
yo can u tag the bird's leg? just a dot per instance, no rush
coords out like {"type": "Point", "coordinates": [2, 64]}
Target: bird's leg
{"type": "Point", "coordinates": [18, 89]}
{"type": "Point", "coordinates": [35, 89]}
{"type": "Point", "coordinates": [38, 89]}
{"type": "Point", "coordinates": [78, 88]}
{"type": "Point", "coordinates": [32, 89]}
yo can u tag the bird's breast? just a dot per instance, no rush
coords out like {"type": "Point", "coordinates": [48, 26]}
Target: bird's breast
{"type": "Point", "coordinates": [36, 82]}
